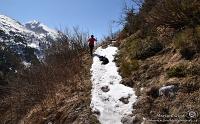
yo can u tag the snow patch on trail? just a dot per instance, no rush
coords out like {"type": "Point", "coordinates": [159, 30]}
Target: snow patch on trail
{"type": "Point", "coordinates": [107, 105]}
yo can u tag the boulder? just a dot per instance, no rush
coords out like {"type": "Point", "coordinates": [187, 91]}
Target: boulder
{"type": "Point", "coordinates": [168, 90]}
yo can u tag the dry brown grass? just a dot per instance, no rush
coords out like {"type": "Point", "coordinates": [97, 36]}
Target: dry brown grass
{"type": "Point", "coordinates": [160, 70]}
{"type": "Point", "coordinates": [72, 105]}
{"type": "Point", "coordinates": [40, 92]}
{"type": "Point", "coordinates": [174, 24]}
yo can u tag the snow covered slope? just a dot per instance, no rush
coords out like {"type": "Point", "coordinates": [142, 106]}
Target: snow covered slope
{"type": "Point", "coordinates": [22, 40]}
{"type": "Point", "coordinates": [7, 24]}
{"type": "Point", "coordinates": [111, 100]}
{"type": "Point", "coordinates": [42, 29]}
{"type": "Point", "coordinates": [10, 29]}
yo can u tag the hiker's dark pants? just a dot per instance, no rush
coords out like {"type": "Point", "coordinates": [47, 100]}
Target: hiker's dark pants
{"type": "Point", "coordinates": [91, 49]}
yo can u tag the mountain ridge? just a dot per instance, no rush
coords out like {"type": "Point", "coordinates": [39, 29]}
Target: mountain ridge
{"type": "Point", "coordinates": [40, 28]}
{"type": "Point", "coordinates": [17, 36]}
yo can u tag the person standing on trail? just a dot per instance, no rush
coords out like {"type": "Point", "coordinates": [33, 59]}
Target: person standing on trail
{"type": "Point", "coordinates": [91, 41]}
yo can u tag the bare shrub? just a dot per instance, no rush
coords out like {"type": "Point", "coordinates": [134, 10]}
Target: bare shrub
{"type": "Point", "coordinates": [175, 13]}
{"type": "Point", "coordinates": [31, 86]}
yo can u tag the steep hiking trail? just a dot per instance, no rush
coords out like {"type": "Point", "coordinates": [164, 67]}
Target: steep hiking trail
{"type": "Point", "coordinates": [111, 101]}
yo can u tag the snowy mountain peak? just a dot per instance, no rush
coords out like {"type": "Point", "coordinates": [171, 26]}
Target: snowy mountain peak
{"type": "Point", "coordinates": [19, 38]}
{"type": "Point", "coordinates": [8, 24]}
{"type": "Point", "coordinates": [41, 29]}
{"type": "Point", "coordinates": [34, 22]}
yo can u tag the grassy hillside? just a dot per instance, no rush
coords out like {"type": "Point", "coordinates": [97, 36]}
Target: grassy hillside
{"type": "Point", "coordinates": [159, 46]}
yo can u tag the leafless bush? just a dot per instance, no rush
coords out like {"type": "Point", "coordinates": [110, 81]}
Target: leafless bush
{"type": "Point", "coordinates": [176, 13]}
{"type": "Point", "coordinates": [134, 18]}
{"type": "Point", "coordinates": [28, 87]}
{"type": "Point", "coordinates": [138, 3]}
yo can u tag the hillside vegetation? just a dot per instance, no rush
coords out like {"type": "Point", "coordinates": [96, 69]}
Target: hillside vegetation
{"type": "Point", "coordinates": [55, 90]}
{"type": "Point", "coordinates": [160, 46]}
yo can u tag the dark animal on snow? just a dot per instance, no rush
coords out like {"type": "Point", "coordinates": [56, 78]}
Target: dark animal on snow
{"type": "Point", "coordinates": [104, 60]}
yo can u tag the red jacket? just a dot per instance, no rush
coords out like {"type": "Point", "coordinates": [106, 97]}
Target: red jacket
{"type": "Point", "coordinates": [91, 41]}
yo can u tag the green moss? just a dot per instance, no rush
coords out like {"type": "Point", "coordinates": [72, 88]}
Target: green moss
{"type": "Point", "coordinates": [183, 38]}
{"type": "Point", "coordinates": [135, 49]}
{"type": "Point", "coordinates": [178, 71]}
{"type": "Point", "coordinates": [194, 70]}
{"type": "Point", "coordinates": [128, 66]}
{"type": "Point", "coordinates": [188, 42]}
{"type": "Point", "coordinates": [143, 48]}
{"type": "Point", "coordinates": [187, 37]}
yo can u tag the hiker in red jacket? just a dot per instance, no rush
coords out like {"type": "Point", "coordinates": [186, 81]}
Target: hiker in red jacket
{"type": "Point", "coordinates": [91, 43]}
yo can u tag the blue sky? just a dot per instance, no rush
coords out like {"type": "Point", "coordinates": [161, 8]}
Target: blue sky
{"type": "Point", "coordinates": [95, 16]}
